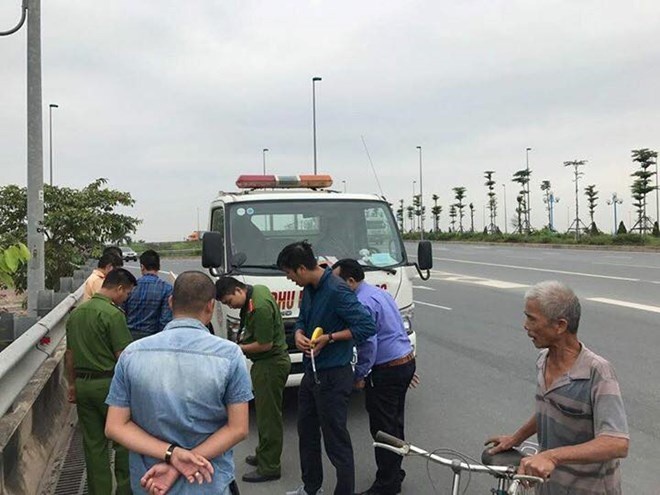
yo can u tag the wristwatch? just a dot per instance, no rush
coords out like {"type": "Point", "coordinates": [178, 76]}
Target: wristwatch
{"type": "Point", "coordinates": [330, 339]}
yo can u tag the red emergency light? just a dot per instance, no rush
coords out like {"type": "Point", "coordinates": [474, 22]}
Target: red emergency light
{"type": "Point", "coordinates": [283, 181]}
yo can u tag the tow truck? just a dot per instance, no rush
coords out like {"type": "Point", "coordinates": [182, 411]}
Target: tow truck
{"type": "Point", "coordinates": [249, 227]}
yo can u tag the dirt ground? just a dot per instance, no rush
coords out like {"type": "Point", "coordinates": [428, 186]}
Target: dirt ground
{"type": "Point", "coordinates": [10, 302]}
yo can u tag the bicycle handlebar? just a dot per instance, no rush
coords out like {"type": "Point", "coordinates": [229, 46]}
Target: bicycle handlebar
{"type": "Point", "coordinates": [382, 437]}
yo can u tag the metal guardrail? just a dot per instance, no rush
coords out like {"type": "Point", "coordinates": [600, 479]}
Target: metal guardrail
{"type": "Point", "coordinates": [23, 357]}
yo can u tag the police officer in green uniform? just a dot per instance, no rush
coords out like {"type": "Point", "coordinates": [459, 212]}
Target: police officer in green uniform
{"type": "Point", "coordinates": [262, 340]}
{"type": "Point", "coordinates": [96, 333]}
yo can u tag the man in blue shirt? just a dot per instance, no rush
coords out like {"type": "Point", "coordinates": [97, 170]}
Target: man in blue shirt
{"type": "Point", "coordinates": [147, 308]}
{"type": "Point", "coordinates": [385, 368]}
{"type": "Point", "coordinates": [179, 399]}
{"type": "Point", "coordinates": [327, 302]}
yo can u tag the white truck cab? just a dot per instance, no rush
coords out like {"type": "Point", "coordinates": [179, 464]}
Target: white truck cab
{"type": "Point", "coordinates": [249, 228]}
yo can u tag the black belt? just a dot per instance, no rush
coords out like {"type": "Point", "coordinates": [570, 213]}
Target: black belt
{"type": "Point", "coordinates": [90, 375]}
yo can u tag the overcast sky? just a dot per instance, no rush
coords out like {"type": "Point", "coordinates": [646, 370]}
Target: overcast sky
{"type": "Point", "coordinates": [173, 100]}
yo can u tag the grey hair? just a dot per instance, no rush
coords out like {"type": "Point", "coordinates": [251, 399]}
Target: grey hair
{"type": "Point", "coordinates": [557, 301]}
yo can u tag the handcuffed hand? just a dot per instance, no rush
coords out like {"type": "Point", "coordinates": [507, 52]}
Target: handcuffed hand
{"type": "Point", "coordinates": [194, 467]}
{"type": "Point", "coordinates": [159, 479]}
{"type": "Point", "coordinates": [414, 381]}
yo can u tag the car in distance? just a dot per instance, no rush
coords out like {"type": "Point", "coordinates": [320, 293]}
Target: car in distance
{"type": "Point", "coordinates": [128, 254]}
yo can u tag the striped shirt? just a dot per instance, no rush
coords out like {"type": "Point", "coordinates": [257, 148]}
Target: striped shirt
{"type": "Point", "coordinates": [579, 406]}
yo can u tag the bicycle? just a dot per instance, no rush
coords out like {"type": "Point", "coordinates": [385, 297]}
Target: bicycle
{"type": "Point", "coordinates": [502, 466]}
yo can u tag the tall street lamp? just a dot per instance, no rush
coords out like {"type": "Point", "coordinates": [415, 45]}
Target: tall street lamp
{"type": "Point", "coordinates": [50, 121]}
{"type": "Point", "coordinates": [506, 220]}
{"type": "Point", "coordinates": [314, 80]}
{"type": "Point", "coordinates": [421, 196]}
{"type": "Point", "coordinates": [263, 153]}
{"type": "Point", "coordinates": [413, 203]}
{"type": "Point", "coordinates": [615, 201]}
{"type": "Point", "coordinates": [528, 208]}
{"type": "Point", "coordinates": [344, 182]}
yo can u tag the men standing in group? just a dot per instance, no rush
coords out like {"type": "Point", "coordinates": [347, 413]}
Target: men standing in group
{"type": "Point", "coordinates": [96, 334]}
{"type": "Point", "coordinates": [148, 309]}
{"type": "Point", "coordinates": [580, 420]}
{"type": "Point", "coordinates": [328, 303]}
{"type": "Point", "coordinates": [263, 341]}
{"type": "Point", "coordinates": [385, 368]}
{"type": "Point", "coordinates": [107, 262]}
{"type": "Point", "coordinates": [179, 399]}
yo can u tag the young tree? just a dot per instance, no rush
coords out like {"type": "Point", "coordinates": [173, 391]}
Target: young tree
{"type": "Point", "coordinates": [411, 213]}
{"type": "Point", "coordinates": [520, 211]}
{"type": "Point", "coordinates": [545, 187]}
{"type": "Point", "coordinates": [436, 211]}
{"type": "Point", "coordinates": [492, 201]}
{"type": "Point", "coordinates": [400, 214]}
{"type": "Point", "coordinates": [592, 196]}
{"type": "Point", "coordinates": [77, 222]}
{"type": "Point", "coordinates": [471, 207]}
{"type": "Point", "coordinates": [459, 194]}
{"type": "Point", "coordinates": [418, 211]}
{"type": "Point", "coordinates": [522, 177]}
{"type": "Point", "coordinates": [452, 215]}
{"type": "Point", "coordinates": [642, 186]}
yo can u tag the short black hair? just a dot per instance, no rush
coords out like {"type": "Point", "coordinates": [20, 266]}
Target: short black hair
{"type": "Point", "coordinates": [114, 250]}
{"type": "Point", "coordinates": [349, 268]}
{"type": "Point", "coordinates": [192, 291]}
{"type": "Point", "coordinates": [296, 255]}
{"type": "Point", "coordinates": [117, 277]}
{"type": "Point", "coordinates": [226, 286]}
{"type": "Point", "coordinates": [110, 258]}
{"type": "Point", "coordinates": [150, 259]}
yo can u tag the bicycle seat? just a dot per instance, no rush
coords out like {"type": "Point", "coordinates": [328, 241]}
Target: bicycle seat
{"type": "Point", "coordinates": [507, 458]}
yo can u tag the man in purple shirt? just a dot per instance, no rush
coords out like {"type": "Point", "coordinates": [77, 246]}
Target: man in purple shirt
{"type": "Point", "coordinates": [385, 368]}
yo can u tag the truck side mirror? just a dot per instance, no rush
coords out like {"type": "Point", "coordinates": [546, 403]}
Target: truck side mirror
{"type": "Point", "coordinates": [213, 250]}
{"type": "Point", "coordinates": [424, 259]}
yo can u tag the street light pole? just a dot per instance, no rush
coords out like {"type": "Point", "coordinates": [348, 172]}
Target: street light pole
{"type": "Point", "coordinates": [657, 213]}
{"type": "Point", "coordinates": [50, 126]}
{"type": "Point", "coordinates": [413, 203]}
{"type": "Point", "coordinates": [421, 196]}
{"type": "Point", "coordinates": [527, 206]}
{"type": "Point", "coordinates": [314, 79]}
{"type": "Point", "coordinates": [344, 182]}
{"type": "Point", "coordinates": [506, 220]}
{"type": "Point", "coordinates": [263, 152]}
{"type": "Point", "coordinates": [614, 201]}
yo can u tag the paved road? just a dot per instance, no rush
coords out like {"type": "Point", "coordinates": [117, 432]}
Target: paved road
{"type": "Point", "coordinates": [477, 364]}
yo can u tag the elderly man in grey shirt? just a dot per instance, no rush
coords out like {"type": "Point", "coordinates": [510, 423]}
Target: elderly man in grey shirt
{"type": "Point", "coordinates": [580, 420]}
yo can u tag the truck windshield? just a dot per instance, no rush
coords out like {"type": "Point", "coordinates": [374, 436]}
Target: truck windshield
{"type": "Point", "coordinates": [360, 229]}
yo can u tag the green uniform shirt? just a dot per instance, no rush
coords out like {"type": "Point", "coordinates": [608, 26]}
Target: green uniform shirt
{"type": "Point", "coordinates": [261, 322]}
{"type": "Point", "coordinates": [95, 331]}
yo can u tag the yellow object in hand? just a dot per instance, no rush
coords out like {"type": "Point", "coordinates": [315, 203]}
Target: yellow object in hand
{"type": "Point", "coordinates": [318, 331]}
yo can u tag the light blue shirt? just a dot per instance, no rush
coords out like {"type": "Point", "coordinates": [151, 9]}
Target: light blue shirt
{"type": "Point", "coordinates": [178, 384]}
{"type": "Point", "coordinates": [391, 340]}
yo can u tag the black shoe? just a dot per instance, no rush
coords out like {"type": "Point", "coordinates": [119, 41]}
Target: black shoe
{"type": "Point", "coordinates": [256, 477]}
{"type": "Point", "coordinates": [379, 491]}
{"type": "Point", "coordinates": [251, 460]}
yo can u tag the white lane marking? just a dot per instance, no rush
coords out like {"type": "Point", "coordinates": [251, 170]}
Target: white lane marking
{"type": "Point", "coordinates": [423, 287]}
{"type": "Point", "coordinates": [625, 264]}
{"type": "Point", "coordinates": [546, 270]}
{"type": "Point", "coordinates": [625, 304]}
{"type": "Point", "coordinates": [432, 305]}
{"type": "Point", "coordinates": [486, 282]}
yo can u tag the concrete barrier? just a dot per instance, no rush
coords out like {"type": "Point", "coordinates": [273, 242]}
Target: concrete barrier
{"type": "Point", "coordinates": [30, 433]}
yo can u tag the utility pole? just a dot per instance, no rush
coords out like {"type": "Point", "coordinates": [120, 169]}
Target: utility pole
{"type": "Point", "coordinates": [263, 153]}
{"type": "Point", "coordinates": [528, 208]}
{"type": "Point", "coordinates": [506, 220]}
{"type": "Point", "coordinates": [314, 80]}
{"type": "Point", "coordinates": [50, 139]}
{"type": "Point", "coordinates": [31, 9]}
{"type": "Point", "coordinates": [421, 197]}
{"type": "Point", "coordinates": [615, 201]}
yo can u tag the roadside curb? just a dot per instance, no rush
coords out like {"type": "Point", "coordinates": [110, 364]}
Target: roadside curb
{"type": "Point", "coordinates": [584, 247]}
